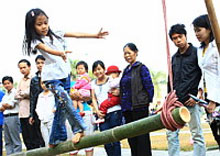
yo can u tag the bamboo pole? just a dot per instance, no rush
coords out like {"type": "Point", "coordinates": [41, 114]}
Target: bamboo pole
{"type": "Point", "coordinates": [214, 22]}
{"type": "Point", "coordinates": [146, 125]}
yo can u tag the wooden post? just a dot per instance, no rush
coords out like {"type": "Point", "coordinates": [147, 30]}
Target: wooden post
{"type": "Point", "coordinates": [214, 22]}
{"type": "Point", "coordinates": [146, 125]}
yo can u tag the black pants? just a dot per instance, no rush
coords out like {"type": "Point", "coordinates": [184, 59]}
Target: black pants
{"type": "Point", "coordinates": [215, 127]}
{"type": "Point", "coordinates": [29, 134]}
{"type": "Point", "coordinates": [140, 145]}
{"type": "Point", "coordinates": [38, 139]}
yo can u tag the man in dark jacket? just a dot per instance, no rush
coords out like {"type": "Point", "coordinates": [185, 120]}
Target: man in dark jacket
{"type": "Point", "coordinates": [35, 90]}
{"type": "Point", "coordinates": [186, 78]}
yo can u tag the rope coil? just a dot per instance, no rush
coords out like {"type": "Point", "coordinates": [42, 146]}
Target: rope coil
{"type": "Point", "coordinates": [166, 114]}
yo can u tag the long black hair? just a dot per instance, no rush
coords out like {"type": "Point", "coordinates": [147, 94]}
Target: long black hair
{"type": "Point", "coordinates": [203, 21]}
{"type": "Point", "coordinates": [30, 33]}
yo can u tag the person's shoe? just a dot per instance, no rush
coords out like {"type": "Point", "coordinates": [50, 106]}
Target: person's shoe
{"type": "Point", "coordinates": [82, 114]}
{"type": "Point", "coordinates": [73, 153]}
{"type": "Point", "coordinates": [98, 121]}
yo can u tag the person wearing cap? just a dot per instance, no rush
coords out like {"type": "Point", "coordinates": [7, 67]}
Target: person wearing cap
{"type": "Point", "coordinates": [113, 98]}
{"type": "Point", "coordinates": [137, 91]}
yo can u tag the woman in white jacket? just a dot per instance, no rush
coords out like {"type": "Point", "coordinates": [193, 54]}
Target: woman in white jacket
{"type": "Point", "coordinates": [209, 62]}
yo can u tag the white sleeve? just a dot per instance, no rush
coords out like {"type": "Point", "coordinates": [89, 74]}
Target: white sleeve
{"type": "Point", "coordinates": [34, 44]}
{"type": "Point", "coordinates": [93, 84]}
{"type": "Point", "coordinates": [60, 33]}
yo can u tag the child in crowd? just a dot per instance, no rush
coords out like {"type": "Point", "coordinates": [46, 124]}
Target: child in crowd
{"type": "Point", "coordinates": [56, 72]}
{"type": "Point", "coordinates": [45, 110]}
{"type": "Point", "coordinates": [113, 72]}
{"type": "Point", "coordinates": [82, 85]}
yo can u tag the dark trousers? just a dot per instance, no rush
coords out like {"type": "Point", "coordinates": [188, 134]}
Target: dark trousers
{"type": "Point", "coordinates": [37, 136]}
{"type": "Point", "coordinates": [215, 127]}
{"type": "Point", "coordinates": [112, 120]}
{"type": "Point", "coordinates": [28, 134]}
{"type": "Point", "coordinates": [140, 145]}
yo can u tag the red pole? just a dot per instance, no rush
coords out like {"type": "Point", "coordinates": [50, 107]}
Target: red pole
{"type": "Point", "coordinates": [170, 73]}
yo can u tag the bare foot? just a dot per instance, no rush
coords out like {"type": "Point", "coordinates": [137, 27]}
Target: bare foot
{"type": "Point", "coordinates": [52, 145]}
{"type": "Point", "coordinates": [76, 138]}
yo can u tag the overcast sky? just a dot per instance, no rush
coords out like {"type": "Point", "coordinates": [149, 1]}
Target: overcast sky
{"type": "Point", "coordinates": [137, 21]}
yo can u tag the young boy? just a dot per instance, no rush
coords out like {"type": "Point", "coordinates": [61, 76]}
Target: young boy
{"type": "Point", "coordinates": [113, 99]}
{"type": "Point", "coordinates": [45, 110]}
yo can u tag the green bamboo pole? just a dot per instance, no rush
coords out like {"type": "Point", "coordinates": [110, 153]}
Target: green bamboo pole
{"type": "Point", "coordinates": [214, 22]}
{"type": "Point", "coordinates": [146, 125]}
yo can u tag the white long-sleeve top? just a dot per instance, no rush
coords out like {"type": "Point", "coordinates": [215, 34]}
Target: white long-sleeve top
{"type": "Point", "coordinates": [45, 106]}
{"type": "Point", "coordinates": [9, 98]}
{"type": "Point", "coordinates": [210, 66]}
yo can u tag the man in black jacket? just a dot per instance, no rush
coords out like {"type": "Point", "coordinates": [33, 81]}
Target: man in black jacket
{"type": "Point", "coordinates": [35, 90]}
{"type": "Point", "coordinates": [186, 78]}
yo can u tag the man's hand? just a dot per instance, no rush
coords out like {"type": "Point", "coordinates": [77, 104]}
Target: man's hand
{"type": "Point", "coordinates": [2, 109]}
{"type": "Point", "coordinates": [6, 106]}
{"type": "Point", "coordinates": [190, 102]}
{"type": "Point", "coordinates": [31, 120]}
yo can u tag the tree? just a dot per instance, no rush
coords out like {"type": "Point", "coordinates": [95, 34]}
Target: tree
{"type": "Point", "coordinates": [73, 68]}
{"type": "Point", "coordinates": [159, 79]}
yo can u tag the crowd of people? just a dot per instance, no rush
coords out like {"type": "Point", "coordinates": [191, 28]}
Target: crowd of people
{"type": "Point", "coordinates": [39, 106]}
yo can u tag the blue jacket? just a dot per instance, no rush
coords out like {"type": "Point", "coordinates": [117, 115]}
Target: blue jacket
{"type": "Point", "coordinates": [1, 113]}
{"type": "Point", "coordinates": [130, 87]}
